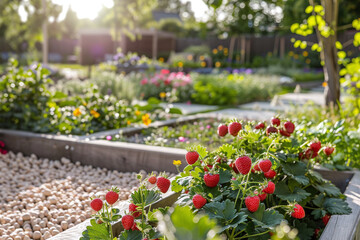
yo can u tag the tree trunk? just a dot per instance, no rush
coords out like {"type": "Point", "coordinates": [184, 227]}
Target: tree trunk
{"type": "Point", "coordinates": [329, 54]}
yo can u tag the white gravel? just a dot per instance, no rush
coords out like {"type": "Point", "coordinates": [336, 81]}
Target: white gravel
{"type": "Point", "coordinates": [40, 198]}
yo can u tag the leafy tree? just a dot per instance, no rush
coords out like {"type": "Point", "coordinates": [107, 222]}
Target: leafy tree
{"type": "Point", "coordinates": [70, 24]}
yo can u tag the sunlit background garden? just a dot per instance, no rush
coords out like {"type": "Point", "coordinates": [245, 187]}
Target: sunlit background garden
{"type": "Point", "coordinates": [179, 119]}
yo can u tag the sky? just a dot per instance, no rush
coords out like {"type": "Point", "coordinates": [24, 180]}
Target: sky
{"type": "Point", "coordinates": [90, 8]}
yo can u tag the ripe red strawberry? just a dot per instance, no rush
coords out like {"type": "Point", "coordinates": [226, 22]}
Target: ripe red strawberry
{"type": "Point", "coordinates": [270, 130]}
{"type": "Point", "coordinates": [209, 166]}
{"type": "Point", "coordinates": [298, 212]}
{"type": "Point", "coordinates": [96, 204]}
{"type": "Point", "coordinates": [252, 203]}
{"type": "Point", "coordinates": [222, 130]}
{"type": "Point", "coordinates": [265, 165]}
{"type": "Point", "coordinates": [270, 174]}
{"type": "Point", "coordinates": [284, 133]}
{"type": "Point", "coordinates": [198, 201]}
{"type": "Point", "coordinates": [326, 219]}
{"type": "Point", "coordinates": [256, 167]}
{"type": "Point", "coordinates": [152, 179]}
{"type": "Point", "coordinates": [134, 227]}
{"type": "Point", "coordinates": [309, 153]}
{"type": "Point", "coordinates": [329, 150]}
{"type": "Point", "coordinates": [127, 222]}
{"type": "Point", "coordinates": [163, 184]}
{"type": "Point", "coordinates": [191, 157]}
{"type": "Point", "coordinates": [211, 180]}
{"type": "Point", "coordinates": [261, 196]}
{"type": "Point", "coordinates": [111, 197]}
{"type": "Point", "coordinates": [275, 121]}
{"type": "Point", "coordinates": [270, 188]}
{"type": "Point", "coordinates": [316, 232]}
{"type": "Point", "coordinates": [243, 164]}
{"type": "Point", "coordinates": [233, 166]}
{"type": "Point", "coordinates": [289, 127]}
{"type": "Point", "coordinates": [133, 210]}
{"type": "Point", "coordinates": [315, 146]}
{"type": "Point", "coordinates": [260, 125]}
{"type": "Point", "coordinates": [234, 128]}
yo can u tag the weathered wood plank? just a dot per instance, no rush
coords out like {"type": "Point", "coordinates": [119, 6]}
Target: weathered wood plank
{"type": "Point", "coordinates": [345, 227]}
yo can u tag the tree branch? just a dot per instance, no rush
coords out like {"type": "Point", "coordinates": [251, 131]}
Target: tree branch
{"type": "Point", "coordinates": [344, 27]}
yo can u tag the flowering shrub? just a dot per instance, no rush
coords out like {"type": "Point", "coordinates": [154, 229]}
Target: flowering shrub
{"type": "Point", "coordinates": [2, 148]}
{"type": "Point", "coordinates": [27, 104]}
{"type": "Point", "coordinates": [248, 187]}
{"type": "Point", "coordinates": [177, 84]}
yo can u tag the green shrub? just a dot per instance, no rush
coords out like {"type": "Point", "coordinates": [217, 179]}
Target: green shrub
{"type": "Point", "coordinates": [233, 89]}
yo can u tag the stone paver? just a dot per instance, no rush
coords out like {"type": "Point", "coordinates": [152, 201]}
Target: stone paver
{"type": "Point", "coordinates": [302, 98]}
{"type": "Point", "coordinates": [265, 106]}
{"type": "Point", "coordinates": [245, 114]}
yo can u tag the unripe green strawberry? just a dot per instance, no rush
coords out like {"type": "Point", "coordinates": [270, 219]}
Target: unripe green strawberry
{"type": "Point", "coordinates": [265, 165]}
{"type": "Point", "coordinates": [234, 128]}
{"type": "Point", "coordinates": [252, 203]}
{"type": "Point", "coordinates": [191, 157]}
{"type": "Point", "coordinates": [163, 184]}
{"type": "Point", "coordinates": [222, 130]}
{"type": "Point", "coordinates": [211, 180]}
{"type": "Point", "coordinates": [198, 201]}
{"type": "Point", "coordinates": [243, 164]}
{"type": "Point", "coordinates": [111, 197]}
{"type": "Point", "coordinates": [298, 212]}
{"type": "Point", "coordinates": [127, 222]}
{"type": "Point", "coordinates": [96, 204]}
{"type": "Point", "coordinates": [270, 189]}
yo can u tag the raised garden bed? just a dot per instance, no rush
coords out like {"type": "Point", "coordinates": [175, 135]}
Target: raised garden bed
{"type": "Point", "coordinates": [339, 226]}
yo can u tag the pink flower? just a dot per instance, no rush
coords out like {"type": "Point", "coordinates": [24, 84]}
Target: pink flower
{"type": "Point", "coordinates": [182, 139]}
{"type": "Point", "coordinates": [3, 151]}
{"type": "Point", "coordinates": [144, 81]}
{"type": "Point", "coordinates": [208, 126]}
{"type": "Point", "coordinates": [2, 144]}
{"type": "Point", "coordinates": [188, 102]}
{"type": "Point", "coordinates": [201, 128]}
{"type": "Point", "coordinates": [165, 71]}
{"type": "Point", "coordinates": [108, 138]}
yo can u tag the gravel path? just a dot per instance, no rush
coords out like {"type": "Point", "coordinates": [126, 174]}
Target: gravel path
{"type": "Point", "coordinates": [40, 198]}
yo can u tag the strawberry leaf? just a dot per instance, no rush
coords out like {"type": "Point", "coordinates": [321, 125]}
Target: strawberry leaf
{"type": "Point", "coordinates": [228, 149]}
{"type": "Point", "coordinates": [269, 218]}
{"type": "Point", "coordinates": [305, 233]}
{"type": "Point", "coordinates": [225, 176]}
{"type": "Point", "coordinates": [328, 188]}
{"type": "Point", "coordinates": [336, 206]}
{"type": "Point", "coordinates": [142, 194]}
{"type": "Point", "coordinates": [296, 171]}
{"type": "Point", "coordinates": [131, 235]}
{"type": "Point", "coordinates": [201, 150]}
{"type": "Point", "coordinates": [283, 192]}
{"type": "Point", "coordinates": [96, 231]}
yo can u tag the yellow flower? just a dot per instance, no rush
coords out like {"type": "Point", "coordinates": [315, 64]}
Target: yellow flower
{"type": "Point", "coordinates": [180, 64]}
{"type": "Point", "coordinates": [137, 112]}
{"type": "Point", "coordinates": [147, 121]}
{"type": "Point", "coordinates": [161, 59]}
{"type": "Point", "coordinates": [215, 51]}
{"type": "Point", "coordinates": [305, 54]}
{"type": "Point", "coordinates": [291, 53]}
{"type": "Point", "coordinates": [201, 58]}
{"type": "Point", "coordinates": [324, 84]}
{"type": "Point", "coordinates": [296, 56]}
{"type": "Point", "coordinates": [217, 64]}
{"type": "Point", "coordinates": [128, 122]}
{"type": "Point", "coordinates": [77, 112]}
{"type": "Point", "coordinates": [162, 94]}
{"type": "Point", "coordinates": [177, 162]}
{"type": "Point", "coordinates": [145, 117]}
{"type": "Point", "coordinates": [203, 64]}
{"type": "Point", "coordinates": [220, 47]}
{"type": "Point", "coordinates": [308, 61]}
{"type": "Point", "coordinates": [189, 57]}
{"type": "Point", "coordinates": [226, 49]}
{"type": "Point", "coordinates": [84, 103]}
{"type": "Point", "coordinates": [95, 113]}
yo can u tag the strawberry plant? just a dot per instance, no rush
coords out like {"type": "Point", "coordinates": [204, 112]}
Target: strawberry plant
{"type": "Point", "coordinates": [246, 189]}
{"type": "Point", "coordinates": [265, 177]}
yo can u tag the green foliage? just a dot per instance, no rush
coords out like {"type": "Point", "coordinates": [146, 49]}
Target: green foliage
{"type": "Point", "coordinates": [184, 224]}
{"type": "Point", "coordinates": [96, 232]}
{"type": "Point", "coordinates": [232, 89]}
